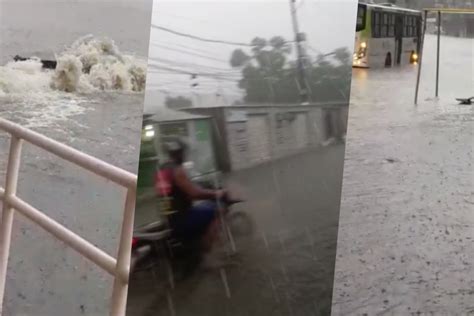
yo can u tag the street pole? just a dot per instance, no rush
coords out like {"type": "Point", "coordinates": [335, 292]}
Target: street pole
{"type": "Point", "coordinates": [420, 57]}
{"type": "Point", "coordinates": [437, 53]}
{"type": "Point", "coordinates": [300, 52]}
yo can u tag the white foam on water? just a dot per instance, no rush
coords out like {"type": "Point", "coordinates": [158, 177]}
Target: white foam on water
{"type": "Point", "coordinates": [23, 77]}
{"type": "Point", "coordinates": [87, 67]}
{"type": "Point", "coordinates": [90, 64]}
{"type": "Point", "coordinates": [52, 114]}
{"type": "Point", "coordinates": [104, 67]}
{"type": "Point", "coordinates": [67, 75]}
{"type": "Point", "coordinates": [43, 110]}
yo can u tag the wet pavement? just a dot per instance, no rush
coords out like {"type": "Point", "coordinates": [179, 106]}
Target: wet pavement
{"type": "Point", "coordinates": [82, 201]}
{"type": "Point", "coordinates": [45, 277]}
{"type": "Point", "coordinates": [286, 267]}
{"type": "Point", "coordinates": [406, 229]}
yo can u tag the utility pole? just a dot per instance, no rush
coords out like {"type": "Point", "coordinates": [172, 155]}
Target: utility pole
{"type": "Point", "coordinates": [299, 38]}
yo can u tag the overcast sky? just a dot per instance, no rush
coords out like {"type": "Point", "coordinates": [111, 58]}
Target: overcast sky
{"type": "Point", "coordinates": [328, 24]}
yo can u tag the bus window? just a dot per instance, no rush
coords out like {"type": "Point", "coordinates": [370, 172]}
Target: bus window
{"type": "Point", "coordinates": [415, 26]}
{"type": "Point", "coordinates": [376, 24]}
{"type": "Point", "coordinates": [411, 26]}
{"type": "Point", "coordinates": [405, 26]}
{"type": "Point", "coordinates": [418, 26]}
{"type": "Point", "coordinates": [361, 17]}
{"type": "Point", "coordinates": [391, 25]}
{"type": "Point", "coordinates": [383, 31]}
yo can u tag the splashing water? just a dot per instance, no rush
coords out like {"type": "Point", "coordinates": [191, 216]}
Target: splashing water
{"type": "Point", "coordinates": [67, 75]}
{"type": "Point", "coordinates": [23, 77]}
{"type": "Point", "coordinates": [85, 69]}
{"type": "Point", "coordinates": [89, 65]}
{"type": "Point", "coordinates": [92, 63]}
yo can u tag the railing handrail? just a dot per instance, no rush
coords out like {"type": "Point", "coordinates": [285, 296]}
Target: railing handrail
{"type": "Point", "coordinates": [84, 247]}
{"type": "Point", "coordinates": [118, 267]}
{"type": "Point", "coordinates": [99, 167]}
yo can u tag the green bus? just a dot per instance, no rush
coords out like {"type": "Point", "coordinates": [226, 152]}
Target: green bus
{"type": "Point", "coordinates": [386, 35]}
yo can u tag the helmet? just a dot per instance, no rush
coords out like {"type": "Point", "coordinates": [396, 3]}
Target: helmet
{"type": "Point", "coordinates": [173, 145]}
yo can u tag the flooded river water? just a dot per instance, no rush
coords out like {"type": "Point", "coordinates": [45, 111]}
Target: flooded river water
{"type": "Point", "coordinates": [44, 276]}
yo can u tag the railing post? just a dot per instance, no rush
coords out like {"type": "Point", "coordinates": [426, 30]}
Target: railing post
{"type": "Point", "coordinates": [11, 182]}
{"type": "Point", "coordinates": [119, 294]}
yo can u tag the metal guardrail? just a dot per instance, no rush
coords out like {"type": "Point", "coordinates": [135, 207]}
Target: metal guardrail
{"type": "Point", "coordinates": [118, 267]}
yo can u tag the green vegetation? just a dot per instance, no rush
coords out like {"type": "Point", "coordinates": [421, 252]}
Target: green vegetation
{"type": "Point", "coordinates": [270, 76]}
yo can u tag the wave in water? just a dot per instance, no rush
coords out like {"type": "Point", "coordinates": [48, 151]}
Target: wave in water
{"type": "Point", "coordinates": [89, 65]}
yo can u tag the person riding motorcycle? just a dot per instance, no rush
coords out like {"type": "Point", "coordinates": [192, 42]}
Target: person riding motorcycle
{"type": "Point", "coordinates": [190, 221]}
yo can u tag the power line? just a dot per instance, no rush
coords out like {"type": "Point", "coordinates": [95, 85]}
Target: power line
{"type": "Point", "coordinates": [209, 70]}
{"type": "Point", "coordinates": [183, 18]}
{"type": "Point", "coordinates": [190, 47]}
{"type": "Point", "coordinates": [187, 72]}
{"type": "Point", "coordinates": [174, 63]}
{"type": "Point", "coordinates": [206, 90]}
{"type": "Point", "coordinates": [171, 71]}
{"type": "Point", "coordinates": [190, 53]}
{"type": "Point", "coordinates": [184, 85]}
{"type": "Point", "coordinates": [320, 53]}
{"type": "Point", "coordinates": [198, 37]}
{"type": "Point", "coordinates": [191, 72]}
{"type": "Point", "coordinates": [217, 83]}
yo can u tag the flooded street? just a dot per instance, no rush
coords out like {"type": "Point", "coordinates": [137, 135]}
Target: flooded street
{"type": "Point", "coordinates": [406, 228]}
{"type": "Point", "coordinates": [285, 267]}
{"type": "Point", "coordinates": [44, 276]}
{"type": "Point", "coordinates": [82, 201]}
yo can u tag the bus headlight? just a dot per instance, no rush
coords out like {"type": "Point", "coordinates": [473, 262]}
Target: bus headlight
{"type": "Point", "coordinates": [361, 53]}
{"type": "Point", "coordinates": [414, 58]}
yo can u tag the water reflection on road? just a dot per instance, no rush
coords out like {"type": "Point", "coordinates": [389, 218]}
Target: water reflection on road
{"type": "Point", "coordinates": [286, 267]}
{"type": "Point", "coordinates": [407, 225]}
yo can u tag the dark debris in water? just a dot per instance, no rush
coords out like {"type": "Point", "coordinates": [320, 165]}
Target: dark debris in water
{"type": "Point", "coordinates": [390, 160]}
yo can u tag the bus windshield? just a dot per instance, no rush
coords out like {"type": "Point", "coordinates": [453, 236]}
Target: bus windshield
{"type": "Point", "coordinates": [361, 17]}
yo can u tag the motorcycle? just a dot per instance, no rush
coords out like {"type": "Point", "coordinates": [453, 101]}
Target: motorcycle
{"type": "Point", "coordinates": [154, 243]}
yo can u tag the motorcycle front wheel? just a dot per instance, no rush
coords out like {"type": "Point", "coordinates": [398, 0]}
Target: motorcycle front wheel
{"type": "Point", "coordinates": [240, 224]}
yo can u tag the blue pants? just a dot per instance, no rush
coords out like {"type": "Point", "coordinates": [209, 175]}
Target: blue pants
{"type": "Point", "coordinates": [192, 224]}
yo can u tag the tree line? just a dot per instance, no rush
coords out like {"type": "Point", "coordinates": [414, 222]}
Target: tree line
{"type": "Point", "coordinates": [269, 74]}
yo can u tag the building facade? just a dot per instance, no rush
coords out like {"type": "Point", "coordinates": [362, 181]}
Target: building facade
{"type": "Point", "coordinates": [248, 135]}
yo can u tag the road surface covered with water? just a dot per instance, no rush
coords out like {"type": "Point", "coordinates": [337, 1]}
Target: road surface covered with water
{"type": "Point", "coordinates": [406, 228]}
{"type": "Point", "coordinates": [44, 276]}
{"type": "Point", "coordinates": [285, 267]}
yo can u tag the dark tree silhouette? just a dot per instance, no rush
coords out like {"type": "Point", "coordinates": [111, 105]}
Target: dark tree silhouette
{"type": "Point", "coordinates": [269, 75]}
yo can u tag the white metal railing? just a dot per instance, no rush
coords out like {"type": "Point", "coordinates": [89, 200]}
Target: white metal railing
{"type": "Point", "coordinates": [118, 267]}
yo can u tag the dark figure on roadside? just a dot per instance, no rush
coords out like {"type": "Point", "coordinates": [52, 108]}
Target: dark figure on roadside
{"type": "Point", "coordinates": [191, 222]}
{"type": "Point", "coordinates": [468, 101]}
{"type": "Point", "coordinates": [46, 64]}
